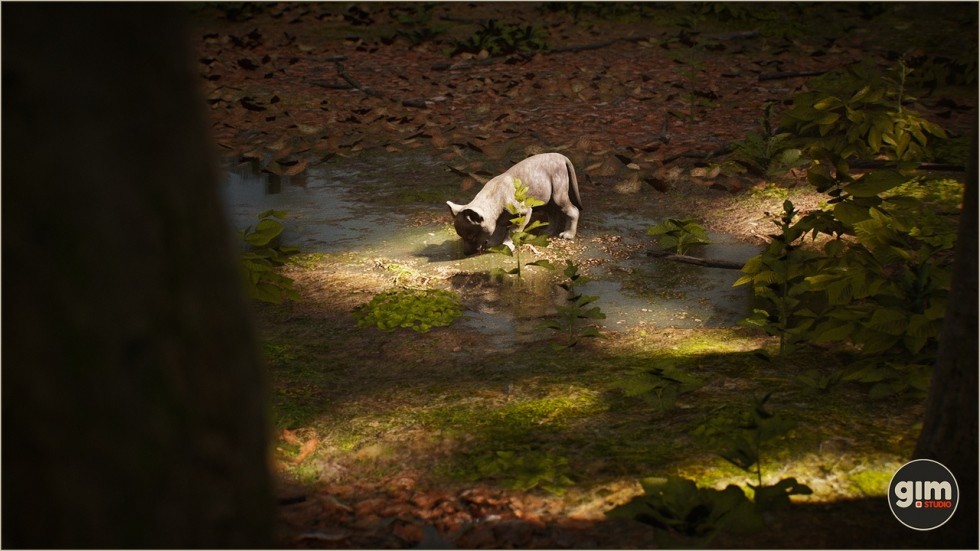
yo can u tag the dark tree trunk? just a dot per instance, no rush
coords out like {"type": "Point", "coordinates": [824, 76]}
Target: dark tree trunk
{"type": "Point", "coordinates": [949, 433]}
{"type": "Point", "coordinates": [134, 410]}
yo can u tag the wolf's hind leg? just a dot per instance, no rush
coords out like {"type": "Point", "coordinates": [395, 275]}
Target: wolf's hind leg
{"type": "Point", "coordinates": [571, 225]}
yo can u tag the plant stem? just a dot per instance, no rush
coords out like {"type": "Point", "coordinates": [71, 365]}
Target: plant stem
{"type": "Point", "coordinates": [758, 458]}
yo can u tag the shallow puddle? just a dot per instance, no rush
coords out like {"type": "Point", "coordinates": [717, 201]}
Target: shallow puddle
{"type": "Point", "coordinates": [390, 207]}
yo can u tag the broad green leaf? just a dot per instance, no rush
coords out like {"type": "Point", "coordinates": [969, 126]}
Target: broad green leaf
{"type": "Point", "coordinates": [876, 182]}
{"type": "Point", "coordinates": [832, 331]}
{"type": "Point", "coordinates": [828, 103]}
{"type": "Point", "coordinates": [849, 213]}
{"type": "Point", "coordinates": [826, 119]}
{"type": "Point", "coordinates": [892, 322]}
{"type": "Point", "coordinates": [543, 263]}
{"type": "Point", "coordinates": [860, 94]}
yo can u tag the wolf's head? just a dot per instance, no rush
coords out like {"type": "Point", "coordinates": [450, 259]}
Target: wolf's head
{"type": "Point", "coordinates": [474, 229]}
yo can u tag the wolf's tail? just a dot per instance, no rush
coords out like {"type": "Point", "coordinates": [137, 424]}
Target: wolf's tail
{"type": "Point", "coordinates": [573, 184]}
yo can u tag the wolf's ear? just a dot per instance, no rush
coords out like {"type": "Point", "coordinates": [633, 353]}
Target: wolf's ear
{"type": "Point", "coordinates": [473, 216]}
{"type": "Point", "coordinates": [454, 208]}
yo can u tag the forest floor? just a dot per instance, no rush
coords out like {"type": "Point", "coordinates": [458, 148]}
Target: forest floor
{"type": "Point", "coordinates": [438, 440]}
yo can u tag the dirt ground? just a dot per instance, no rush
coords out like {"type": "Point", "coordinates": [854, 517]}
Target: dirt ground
{"type": "Point", "coordinates": [646, 102]}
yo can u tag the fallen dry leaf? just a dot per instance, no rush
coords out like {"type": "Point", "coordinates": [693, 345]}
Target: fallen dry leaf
{"type": "Point", "coordinates": [306, 450]}
{"type": "Point", "coordinates": [290, 437]}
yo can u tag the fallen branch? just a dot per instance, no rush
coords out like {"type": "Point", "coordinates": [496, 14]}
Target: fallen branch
{"type": "Point", "coordinates": [357, 85]}
{"type": "Point", "coordinates": [789, 74]}
{"type": "Point", "coordinates": [707, 263]}
{"type": "Point", "coordinates": [701, 155]}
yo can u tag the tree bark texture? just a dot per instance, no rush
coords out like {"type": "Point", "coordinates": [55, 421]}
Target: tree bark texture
{"type": "Point", "coordinates": [949, 432]}
{"type": "Point", "coordinates": [134, 406]}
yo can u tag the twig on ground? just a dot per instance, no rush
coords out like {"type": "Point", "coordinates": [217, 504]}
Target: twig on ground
{"type": "Point", "coordinates": [357, 85]}
{"type": "Point", "coordinates": [737, 35]}
{"type": "Point", "coordinates": [789, 74]}
{"type": "Point", "coordinates": [706, 262]}
{"type": "Point", "coordinates": [331, 85]}
{"type": "Point", "coordinates": [703, 155]}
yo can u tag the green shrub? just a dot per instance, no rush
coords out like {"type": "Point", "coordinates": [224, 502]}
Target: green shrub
{"type": "Point", "coordinates": [860, 113]}
{"type": "Point", "coordinates": [678, 508]}
{"type": "Point", "coordinates": [778, 278]}
{"type": "Point", "coordinates": [523, 469]}
{"type": "Point", "coordinates": [660, 384]}
{"type": "Point", "coordinates": [769, 153]}
{"type": "Point", "coordinates": [880, 283]}
{"type": "Point", "coordinates": [758, 428]}
{"type": "Point", "coordinates": [681, 509]}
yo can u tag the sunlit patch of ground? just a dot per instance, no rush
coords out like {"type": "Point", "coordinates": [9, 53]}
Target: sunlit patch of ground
{"type": "Point", "coordinates": [439, 430]}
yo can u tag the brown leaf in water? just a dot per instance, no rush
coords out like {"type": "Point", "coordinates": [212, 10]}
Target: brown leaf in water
{"type": "Point", "coordinates": [296, 168]}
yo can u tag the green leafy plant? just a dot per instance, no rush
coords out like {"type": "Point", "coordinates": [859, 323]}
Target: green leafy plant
{"type": "Point", "coordinates": [263, 256]}
{"type": "Point", "coordinates": [503, 39]}
{"type": "Point", "coordinates": [959, 69]}
{"type": "Point", "coordinates": [881, 281]}
{"type": "Point", "coordinates": [524, 469]}
{"type": "Point", "coordinates": [679, 234]}
{"type": "Point", "coordinates": [417, 309]}
{"type": "Point", "coordinates": [578, 307]}
{"type": "Point", "coordinates": [860, 113]}
{"type": "Point", "coordinates": [888, 290]}
{"type": "Point", "coordinates": [769, 153]}
{"type": "Point", "coordinates": [893, 375]}
{"type": "Point", "coordinates": [680, 509]}
{"type": "Point", "coordinates": [760, 427]}
{"type": "Point", "coordinates": [820, 382]}
{"type": "Point", "coordinates": [778, 278]}
{"type": "Point", "coordinates": [420, 36]}
{"type": "Point", "coordinates": [597, 10]}
{"type": "Point", "coordinates": [883, 289]}
{"type": "Point", "coordinates": [521, 209]}
{"type": "Point", "coordinates": [660, 384]}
